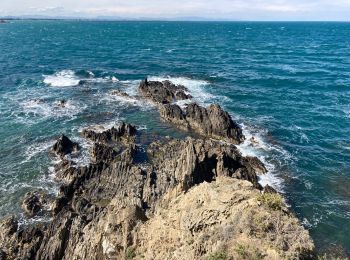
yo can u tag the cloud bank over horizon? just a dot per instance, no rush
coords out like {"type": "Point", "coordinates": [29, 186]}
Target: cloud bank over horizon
{"type": "Point", "coordinates": [321, 10]}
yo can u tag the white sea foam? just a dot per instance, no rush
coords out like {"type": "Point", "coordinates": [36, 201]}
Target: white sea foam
{"type": "Point", "coordinates": [64, 78]}
{"type": "Point", "coordinates": [130, 87]}
{"type": "Point", "coordinates": [46, 109]}
{"type": "Point", "coordinates": [255, 145]}
{"type": "Point", "coordinates": [68, 78]}
{"type": "Point", "coordinates": [83, 157]}
{"type": "Point", "coordinates": [37, 148]}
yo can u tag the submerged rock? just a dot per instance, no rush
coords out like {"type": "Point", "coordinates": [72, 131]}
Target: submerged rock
{"type": "Point", "coordinates": [64, 146]}
{"type": "Point", "coordinates": [117, 92]}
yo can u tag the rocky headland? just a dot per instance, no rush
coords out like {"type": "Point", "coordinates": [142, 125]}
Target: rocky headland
{"type": "Point", "coordinates": [194, 198]}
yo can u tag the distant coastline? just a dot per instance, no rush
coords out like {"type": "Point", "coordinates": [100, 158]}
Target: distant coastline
{"type": "Point", "coordinates": [148, 19]}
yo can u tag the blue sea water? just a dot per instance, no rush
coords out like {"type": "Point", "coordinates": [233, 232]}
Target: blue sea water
{"type": "Point", "coordinates": [287, 84]}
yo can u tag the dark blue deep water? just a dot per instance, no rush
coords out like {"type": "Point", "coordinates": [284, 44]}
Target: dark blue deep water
{"type": "Point", "coordinates": [288, 84]}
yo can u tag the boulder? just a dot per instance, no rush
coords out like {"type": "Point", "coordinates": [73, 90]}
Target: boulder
{"type": "Point", "coordinates": [64, 146]}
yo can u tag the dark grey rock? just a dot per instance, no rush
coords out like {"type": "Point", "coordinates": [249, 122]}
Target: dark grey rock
{"type": "Point", "coordinates": [64, 146]}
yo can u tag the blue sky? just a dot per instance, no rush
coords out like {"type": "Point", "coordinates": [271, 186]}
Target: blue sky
{"type": "Point", "coordinates": [334, 10]}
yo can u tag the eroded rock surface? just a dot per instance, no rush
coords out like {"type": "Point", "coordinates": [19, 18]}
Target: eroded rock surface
{"type": "Point", "coordinates": [221, 218]}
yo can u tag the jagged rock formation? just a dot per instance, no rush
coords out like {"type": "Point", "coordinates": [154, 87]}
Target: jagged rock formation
{"type": "Point", "coordinates": [64, 146]}
{"type": "Point", "coordinates": [124, 132]}
{"type": "Point", "coordinates": [192, 199]}
{"type": "Point", "coordinates": [36, 202]}
{"type": "Point", "coordinates": [211, 122]}
{"type": "Point", "coordinates": [163, 92]}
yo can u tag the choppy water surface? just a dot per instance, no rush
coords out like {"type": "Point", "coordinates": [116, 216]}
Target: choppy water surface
{"type": "Point", "coordinates": [288, 84]}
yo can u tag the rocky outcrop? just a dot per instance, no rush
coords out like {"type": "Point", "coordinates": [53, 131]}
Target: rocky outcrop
{"type": "Point", "coordinates": [36, 202]}
{"type": "Point", "coordinates": [16, 243]}
{"type": "Point", "coordinates": [123, 132]}
{"type": "Point", "coordinates": [222, 218]}
{"type": "Point", "coordinates": [64, 146]}
{"type": "Point", "coordinates": [212, 122]}
{"type": "Point", "coordinates": [163, 92]}
{"type": "Point", "coordinates": [192, 198]}
{"type": "Point", "coordinates": [181, 164]}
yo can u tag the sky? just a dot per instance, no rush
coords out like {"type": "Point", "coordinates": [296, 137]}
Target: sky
{"type": "Point", "coordinates": [257, 10]}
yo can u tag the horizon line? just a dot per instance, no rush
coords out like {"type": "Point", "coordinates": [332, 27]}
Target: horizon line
{"type": "Point", "coordinates": [145, 19]}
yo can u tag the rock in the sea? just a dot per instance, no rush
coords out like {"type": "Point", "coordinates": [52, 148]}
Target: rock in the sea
{"type": "Point", "coordinates": [34, 202]}
{"type": "Point", "coordinates": [173, 113]}
{"type": "Point", "coordinates": [117, 92]}
{"type": "Point", "coordinates": [269, 189]}
{"type": "Point", "coordinates": [64, 146]}
{"type": "Point", "coordinates": [124, 132]}
{"type": "Point", "coordinates": [185, 163]}
{"type": "Point", "coordinates": [163, 92]}
{"type": "Point", "coordinates": [212, 122]}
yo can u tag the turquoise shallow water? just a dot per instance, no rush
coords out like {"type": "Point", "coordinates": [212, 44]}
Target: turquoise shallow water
{"type": "Point", "coordinates": [288, 84]}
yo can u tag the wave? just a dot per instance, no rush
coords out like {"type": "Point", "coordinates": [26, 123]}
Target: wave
{"type": "Point", "coordinates": [64, 78]}
{"type": "Point", "coordinates": [44, 109]}
{"type": "Point", "coordinates": [37, 148]}
{"type": "Point", "coordinates": [69, 78]}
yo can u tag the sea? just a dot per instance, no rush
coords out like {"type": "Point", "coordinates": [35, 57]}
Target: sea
{"type": "Point", "coordinates": [286, 83]}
